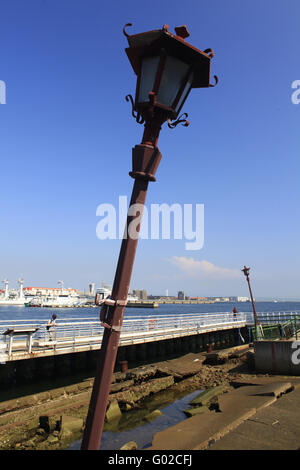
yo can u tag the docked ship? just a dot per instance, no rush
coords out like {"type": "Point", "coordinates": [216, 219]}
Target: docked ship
{"type": "Point", "coordinates": [52, 297]}
{"type": "Point", "coordinates": [61, 301]}
{"type": "Point", "coordinates": [13, 297]}
{"type": "Point", "coordinates": [105, 291]}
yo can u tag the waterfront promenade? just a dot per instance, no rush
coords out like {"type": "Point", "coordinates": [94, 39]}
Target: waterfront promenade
{"type": "Point", "coordinates": [27, 339]}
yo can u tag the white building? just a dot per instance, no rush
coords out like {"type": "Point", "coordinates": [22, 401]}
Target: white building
{"type": "Point", "coordinates": [242, 299]}
{"type": "Point", "coordinates": [49, 292]}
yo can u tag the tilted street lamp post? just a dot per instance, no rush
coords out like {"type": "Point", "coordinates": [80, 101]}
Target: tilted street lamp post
{"type": "Point", "coordinates": [167, 68]}
{"type": "Point", "coordinates": [246, 270]}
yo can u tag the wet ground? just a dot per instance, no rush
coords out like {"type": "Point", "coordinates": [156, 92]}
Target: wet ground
{"type": "Point", "coordinates": [19, 417]}
{"type": "Point", "coordinates": [133, 427]}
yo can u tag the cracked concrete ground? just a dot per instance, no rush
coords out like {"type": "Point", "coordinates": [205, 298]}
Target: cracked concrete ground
{"type": "Point", "coordinates": [262, 416]}
{"type": "Point", "coordinates": [276, 427]}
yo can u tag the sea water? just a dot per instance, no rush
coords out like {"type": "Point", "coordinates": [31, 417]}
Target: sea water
{"type": "Point", "coordinates": [13, 313]}
{"type": "Point", "coordinates": [133, 427]}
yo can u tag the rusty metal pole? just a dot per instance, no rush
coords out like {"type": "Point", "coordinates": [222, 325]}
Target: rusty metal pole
{"type": "Point", "coordinates": [145, 159]}
{"type": "Point", "coordinates": [246, 270]}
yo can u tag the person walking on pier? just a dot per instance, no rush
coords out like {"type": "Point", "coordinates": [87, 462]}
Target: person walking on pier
{"type": "Point", "coordinates": [50, 327]}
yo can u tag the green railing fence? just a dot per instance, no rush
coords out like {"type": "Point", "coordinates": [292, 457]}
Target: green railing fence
{"type": "Point", "coordinates": [276, 329]}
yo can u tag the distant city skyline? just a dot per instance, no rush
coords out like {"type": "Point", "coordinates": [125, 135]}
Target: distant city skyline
{"type": "Point", "coordinates": [86, 289]}
{"type": "Point", "coordinates": [67, 132]}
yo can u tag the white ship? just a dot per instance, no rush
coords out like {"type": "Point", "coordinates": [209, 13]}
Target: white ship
{"type": "Point", "coordinates": [61, 301]}
{"type": "Point", "coordinates": [105, 291]}
{"type": "Point", "coordinates": [13, 297]}
{"type": "Point", "coordinates": [51, 297]}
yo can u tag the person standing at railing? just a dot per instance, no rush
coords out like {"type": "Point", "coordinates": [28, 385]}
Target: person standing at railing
{"type": "Point", "coordinates": [51, 326]}
{"type": "Point", "coordinates": [234, 311]}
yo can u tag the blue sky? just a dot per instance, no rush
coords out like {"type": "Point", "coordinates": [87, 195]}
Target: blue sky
{"type": "Point", "coordinates": [66, 136]}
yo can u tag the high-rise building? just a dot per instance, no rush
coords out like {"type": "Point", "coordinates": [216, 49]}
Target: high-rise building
{"type": "Point", "coordinates": [140, 294]}
{"type": "Point", "coordinates": [92, 288]}
{"type": "Point", "coordinates": [144, 295]}
{"type": "Point", "coordinates": [181, 295]}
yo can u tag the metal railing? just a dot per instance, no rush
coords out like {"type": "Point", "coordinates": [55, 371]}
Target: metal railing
{"type": "Point", "coordinates": [77, 332]}
{"type": "Point", "coordinates": [272, 317]}
{"type": "Point", "coordinates": [276, 325]}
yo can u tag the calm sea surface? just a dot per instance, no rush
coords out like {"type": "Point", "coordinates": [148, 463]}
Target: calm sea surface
{"type": "Point", "coordinates": [26, 313]}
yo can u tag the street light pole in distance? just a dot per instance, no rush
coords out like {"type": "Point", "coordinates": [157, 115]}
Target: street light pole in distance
{"type": "Point", "coordinates": [246, 270]}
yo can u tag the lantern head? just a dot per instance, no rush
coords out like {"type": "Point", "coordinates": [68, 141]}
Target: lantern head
{"type": "Point", "coordinates": [167, 68]}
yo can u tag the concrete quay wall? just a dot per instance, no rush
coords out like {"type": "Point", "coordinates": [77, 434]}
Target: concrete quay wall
{"type": "Point", "coordinates": [28, 371]}
{"type": "Point", "coordinates": [277, 357]}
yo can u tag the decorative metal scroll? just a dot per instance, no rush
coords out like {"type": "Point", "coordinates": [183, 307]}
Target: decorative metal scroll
{"type": "Point", "coordinates": [209, 52]}
{"type": "Point", "coordinates": [181, 120]}
{"type": "Point", "coordinates": [216, 81]}
{"type": "Point", "coordinates": [137, 116]}
{"type": "Point", "coordinates": [124, 32]}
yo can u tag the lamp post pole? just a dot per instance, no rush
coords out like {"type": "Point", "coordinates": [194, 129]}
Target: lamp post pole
{"type": "Point", "coordinates": [246, 270]}
{"type": "Point", "coordinates": [146, 158]}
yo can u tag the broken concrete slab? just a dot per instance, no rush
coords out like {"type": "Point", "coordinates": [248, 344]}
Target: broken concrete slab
{"type": "Point", "coordinates": [216, 358]}
{"type": "Point", "coordinates": [257, 379]}
{"type": "Point", "coordinates": [206, 396]}
{"type": "Point", "coordinates": [269, 429]}
{"type": "Point", "coordinates": [239, 351]}
{"type": "Point", "coordinates": [118, 386]}
{"type": "Point", "coordinates": [198, 431]}
{"type": "Point", "coordinates": [119, 376]}
{"type": "Point", "coordinates": [129, 446]}
{"type": "Point", "coordinates": [275, 389]}
{"type": "Point", "coordinates": [143, 390]}
{"type": "Point", "coordinates": [196, 410]}
{"type": "Point", "coordinates": [184, 366]}
{"type": "Point", "coordinates": [70, 425]}
{"type": "Point", "coordinates": [223, 355]}
{"type": "Point", "coordinates": [113, 411]}
{"type": "Point", "coordinates": [278, 428]}
{"type": "Point", "coordinates": [143, 372]}
{"type": "Point", "coordinates": [153, 415]}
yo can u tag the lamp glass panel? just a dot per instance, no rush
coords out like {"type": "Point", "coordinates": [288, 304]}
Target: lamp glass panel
{"type": "Point", "coordinates": [173, 75]}
{"type": "Point", "coordinates": [185, 91]}
{"type": "Point", "coordinates": [148, 74]}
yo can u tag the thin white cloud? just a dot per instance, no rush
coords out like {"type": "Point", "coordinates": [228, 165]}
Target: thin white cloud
{"type": "Point", "coordinates": [203, 269]}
